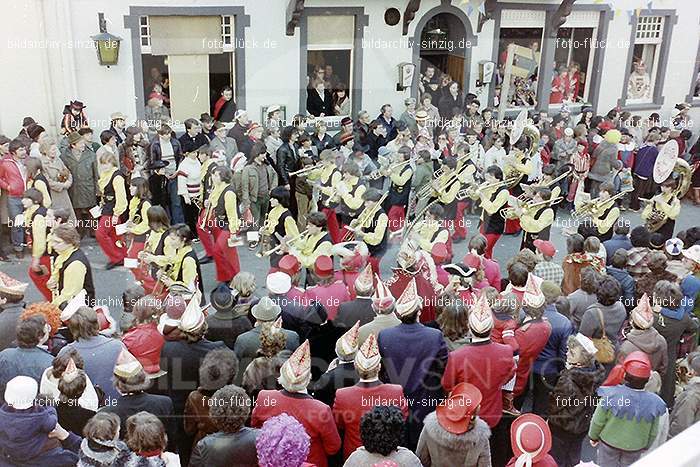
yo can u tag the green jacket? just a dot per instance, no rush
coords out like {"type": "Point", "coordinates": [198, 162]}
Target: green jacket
{"type": "Point", "coordinates": [626, 418]}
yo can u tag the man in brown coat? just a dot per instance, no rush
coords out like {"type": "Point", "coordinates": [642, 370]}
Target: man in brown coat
{"type": "Point", "coordinates": [643, 336]}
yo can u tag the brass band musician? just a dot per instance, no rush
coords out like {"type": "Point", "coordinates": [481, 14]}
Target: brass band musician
{"type": "Point", "coordinates": [662, 210]}
{"type": "Point", "coordinates": [278, 224]}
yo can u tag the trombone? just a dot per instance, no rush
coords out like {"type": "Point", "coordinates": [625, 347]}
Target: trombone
{"type": "Point", "coordinates": [278, 248]}
{"type": "Point", "coordinates": [377, 174]}
{"type": "Point", "coordinates": [525, 195]}
{"type": "Point", "coordinates": [358, 223]}
{"type": "Point", "coordinates": [306, 169]}
{"type": "Point", "coordinates": [511, 212]}
{"type": "Point", "coordinates": [587, 208]}
{"type": "Point", "coordinates": [473, 191]}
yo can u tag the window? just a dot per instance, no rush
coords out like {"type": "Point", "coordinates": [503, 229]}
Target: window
{"type": "Point", "coordinates": [573, 57]}
{"type": "Point", "coordinates": [145, 34]}
{"type": "Point", "coordinates": [227, 36]}
{"type": "Point", "coordinates": [329, 58]}
{"type": "Point", "coordinates": [647, 49]}
{"type": "Point", "coordinates": [187, 75]}
{"type": "Point", "coordinates": [518, 64]}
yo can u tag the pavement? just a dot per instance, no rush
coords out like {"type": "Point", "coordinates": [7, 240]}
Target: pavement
{"type": "Point", "coordinates": [110, 284]}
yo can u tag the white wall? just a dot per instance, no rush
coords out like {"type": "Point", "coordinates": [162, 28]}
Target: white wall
{"type": "Point", "coordinates": [39, 81]}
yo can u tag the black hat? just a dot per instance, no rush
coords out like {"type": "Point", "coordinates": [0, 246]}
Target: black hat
{"type": "Point", "coordinates": [155, 165]}
{"type": "Point", "coordinates": [360, 147]}
{"type": "Point", "coordinates": [26, 121]}
{"type": "Point", "coordinates": [459, 269]}
{"type": "Point", "coordinates": [77, 105]}
{"type": "Point", "coordinates": [223, 298]}
{"type": "Point", "coordinates": [34, 130]}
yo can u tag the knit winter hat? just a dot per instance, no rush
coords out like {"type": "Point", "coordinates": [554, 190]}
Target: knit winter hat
{"type": "Point", "coordinates": [295, 373]}
{"type": "Point", "coordinates": [480, 317]}
{"type": "Point", "coordinates": [367, 357]}
{"type": "Point", "coordinates": [642, 315]}
{"type": "Point", "coordinates": [382, 299]}
{"type": "Point", "coordinates": [346, 346]}
{"type": "Point", "coordinates": [282, 442]}
{"type": "Point", "coordinates": [409, 302]}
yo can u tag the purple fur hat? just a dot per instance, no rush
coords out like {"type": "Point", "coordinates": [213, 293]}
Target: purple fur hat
{"type": "Point", "coordinates": [282, 442]}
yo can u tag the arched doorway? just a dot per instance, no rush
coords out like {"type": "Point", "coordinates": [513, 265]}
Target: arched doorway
{"type": "Point", "coordinates": [443, 41]}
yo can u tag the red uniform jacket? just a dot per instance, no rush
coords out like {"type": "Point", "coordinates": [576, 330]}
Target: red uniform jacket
{"type": "Point", "coordinates": [316, 417]}
{"type": "Point", "coordinates": [546, 461]}
{"type": "Point", "coordinates": [488, 366]}
{"type": "Point", "coordinates": [353, 402]}
{"type": "Point", "coordinates": [426, 290]}
{"type": "Point", "coordinates": [348, 278]}
{"type": "Point", "coordinates": [297, 295]}
{"type": "Point", "coordinates": [503, 332]}
{"type": "Point", "coordinates": [442, 276]}
{"type": "Point", "coordinates": [330, 296]}
{"type": "Point", "coordinates": [11, 178]}
{"type": "Point", "coordinates": [532, 337]}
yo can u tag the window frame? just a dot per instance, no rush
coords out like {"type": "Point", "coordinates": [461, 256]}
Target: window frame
{"type": "Point", "coordinates": [691, 99]}
{"type": "Point", "coordinates": [661, 58]}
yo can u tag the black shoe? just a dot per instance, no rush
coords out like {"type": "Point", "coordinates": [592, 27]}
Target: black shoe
{"type": "Point", "coordinates": [114, 265]}
{"type": "Point", "coordinates": [205, 260]}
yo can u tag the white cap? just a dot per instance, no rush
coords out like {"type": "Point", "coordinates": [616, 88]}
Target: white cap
{"type": "Point", "coordinates": [586, 343]}
{"type": "Point", "coordinates": [278, 283]}
{"type": "Point", "coordinates": [20, 392]}
{"type": "Point", "coordinates": [568, 132]}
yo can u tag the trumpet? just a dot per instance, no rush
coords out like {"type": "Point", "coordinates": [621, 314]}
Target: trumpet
{"type": "Point", "coordinates": [377, 174]}
{"type": "Point", "coordinates": [441, 171]}
{"type": "Point", "coordinates": [428, 189]}
{"type": "Point", "coordinates": [306, 169]}
{"type": "Point", "coordinates": [588, 208]}
{"type": "Point", "coordinates": [511, 212]}
{"type": "Point", "coordinates": [159, 288]}
{"type": "Point", "coordinates": [291, 241]}
{"type": "Point", "coordinates": [362, 219]}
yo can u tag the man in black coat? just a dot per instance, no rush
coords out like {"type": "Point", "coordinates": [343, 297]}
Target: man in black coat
{"type": "Point", "coordinates": [225, 325]}
{"type": "Point", "coordinates": [193, 138]}
{"type": "Point", "coordinates": [239, 129]}
{"type": "Point", "coordinates": [359, 309]}
{"type": "Point", "coordinates": [341, 372]}
{"type": "Point", "coordinates": [287, 157]}
{"type": "Point", "coordinates": [319, 102]}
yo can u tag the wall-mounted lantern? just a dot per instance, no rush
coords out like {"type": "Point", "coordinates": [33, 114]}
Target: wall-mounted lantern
{"type": "Point", "coordinates": [107, 44]}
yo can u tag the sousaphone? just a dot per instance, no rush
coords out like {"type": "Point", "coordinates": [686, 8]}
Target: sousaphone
{"type": "Point", "coordinates": [668, 162]}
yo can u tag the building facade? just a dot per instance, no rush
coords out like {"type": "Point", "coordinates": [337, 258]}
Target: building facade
{"type": "Point", "coordinates": [638, 55]}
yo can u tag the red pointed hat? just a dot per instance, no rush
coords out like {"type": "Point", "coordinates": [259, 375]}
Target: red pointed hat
{"type": "Point", "coordinates": [455, 413]}
{"type": "Point", "coordinates": [409, 301]}
{"type": "Point", "coordinates": [323, 267]}
{"type": "Point", "coordinates": [346, 346]}
{"type": "Point", "coordinates": [530, 439]}
{"type": "Point", "coordinates": [367, 357]}
{"type": "Point", "coordinates": [382, 299]}
{"type": "Point", "coordinates": [364, 281]}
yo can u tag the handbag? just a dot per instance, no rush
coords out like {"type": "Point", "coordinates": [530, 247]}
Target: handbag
{"type": "Point", "coordinates": [606, 349]}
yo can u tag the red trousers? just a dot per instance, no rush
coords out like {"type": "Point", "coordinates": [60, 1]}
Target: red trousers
{"type": "Point", "coordinates": [374, 262]}
{"type": "Point", "coordinates": [108, 240]}
{"type": "Point", "coordinates": [491, 239]}
{"type": "Point", "coordinates": [205, 237]}
{"type": "Point", "coordinates": [397, 216]}
{"type": "Point", "coordinates": [332, 224]}
{"type": "Point", "coordinates": [134, 249]}
{"type": "Point", "coordinates": [225, 257]}
{"type": "Point", "coordinates": [40, 279]}
{"type": "Point", "coordinates": [459, 222]}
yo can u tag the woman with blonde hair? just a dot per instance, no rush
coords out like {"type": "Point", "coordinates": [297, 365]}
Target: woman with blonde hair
{"type": "Point", "coordinates": [57, 175]}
